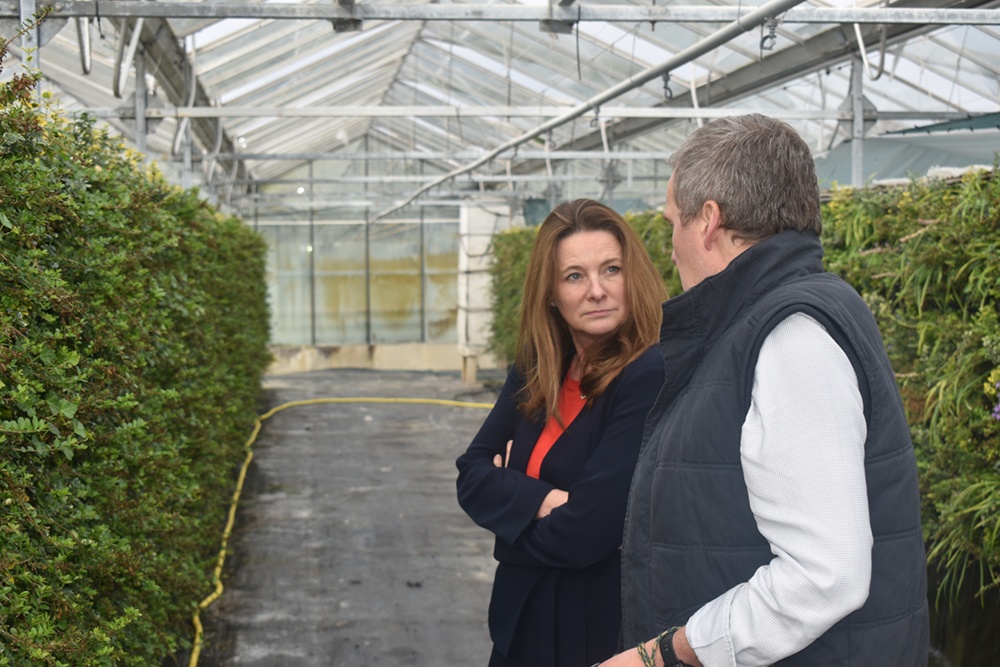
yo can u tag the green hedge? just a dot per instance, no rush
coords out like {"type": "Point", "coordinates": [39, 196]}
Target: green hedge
{"type": "Point", "coordinates": [926, 258]}
{"type": "Point", "coordinates": [133, 331]}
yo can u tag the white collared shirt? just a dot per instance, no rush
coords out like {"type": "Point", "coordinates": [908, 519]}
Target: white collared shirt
{"type": "Point", "coordinates": [802, 450]}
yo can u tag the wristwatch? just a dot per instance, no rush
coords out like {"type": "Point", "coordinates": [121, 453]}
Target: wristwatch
{"type": "Point", "coordinates": [670, 658]}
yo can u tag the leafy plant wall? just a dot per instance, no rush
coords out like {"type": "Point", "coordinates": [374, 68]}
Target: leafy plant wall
{"type": "Point", "coordinates": [926, 258]}
{"type": "Point", "coordinates": [133, 330]}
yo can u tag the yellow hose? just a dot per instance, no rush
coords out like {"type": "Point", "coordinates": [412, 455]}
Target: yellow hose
{"type": "Point", "coordinates": [217, 574]}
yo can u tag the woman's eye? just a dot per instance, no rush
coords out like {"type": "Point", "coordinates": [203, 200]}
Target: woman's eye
{"type": "Point", "coordinates": [614, 269]}
{"type": "Point", "coordinates": [574, 276]}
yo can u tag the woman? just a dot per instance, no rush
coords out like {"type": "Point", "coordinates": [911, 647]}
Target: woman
{"type": "Point", "coordinates": [549, 472]}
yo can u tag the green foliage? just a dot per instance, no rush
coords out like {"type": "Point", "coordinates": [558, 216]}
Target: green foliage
{"type": "Point", "coordinates": [133, 329]}
{"type": "Point", "coordinates": [509, 266]}
{"type": "Point", "coordinates": [927, 259]}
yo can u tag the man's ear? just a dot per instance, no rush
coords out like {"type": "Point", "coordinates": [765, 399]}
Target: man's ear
{"type": "Point", "coordinates": [711, 219]}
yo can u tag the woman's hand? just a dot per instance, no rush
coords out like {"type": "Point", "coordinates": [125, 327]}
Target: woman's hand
{"type": "Point", "coordinates": [502, 463]}
{"type": "Point", "coordinates": [553, 499]}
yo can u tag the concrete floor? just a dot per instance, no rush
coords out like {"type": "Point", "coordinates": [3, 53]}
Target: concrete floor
{"type": "Point", "coordinates": [350, 547]}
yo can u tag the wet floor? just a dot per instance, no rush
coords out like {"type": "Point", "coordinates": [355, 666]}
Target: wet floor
{"type": "Point", "coordinates": [350, 547]}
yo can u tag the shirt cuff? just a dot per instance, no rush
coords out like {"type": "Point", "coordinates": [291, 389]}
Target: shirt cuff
{"type": "Point", "coordinates": [708, 634]}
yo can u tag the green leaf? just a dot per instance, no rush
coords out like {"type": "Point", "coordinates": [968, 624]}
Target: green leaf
{"type": "Point", "coordinates": [67, 408]}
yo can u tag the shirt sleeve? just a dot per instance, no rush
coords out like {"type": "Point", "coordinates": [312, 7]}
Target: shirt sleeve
{"type": "Point", "coordinates": [802, 451]}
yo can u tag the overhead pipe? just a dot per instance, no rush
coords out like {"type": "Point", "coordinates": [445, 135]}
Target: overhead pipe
{"type": "Point", "coordinates": [125, 57]}
{"type": "Point", "coordinates": [716, 39]}
{"type": "Point", "coordinates": [83, 40]}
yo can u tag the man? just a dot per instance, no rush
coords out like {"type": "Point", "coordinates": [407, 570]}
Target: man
{"type": "Point", "coordinates": [774, 514]}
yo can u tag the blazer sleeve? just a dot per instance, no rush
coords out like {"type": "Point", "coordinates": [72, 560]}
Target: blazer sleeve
{"type": "Point", "coordinates": [501, 500]}
{"type": "Point", "coordinates": [588, 528]}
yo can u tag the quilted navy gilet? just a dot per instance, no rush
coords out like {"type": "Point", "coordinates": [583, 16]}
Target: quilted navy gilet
{"type": "Point", "coordinates": [690, 534]}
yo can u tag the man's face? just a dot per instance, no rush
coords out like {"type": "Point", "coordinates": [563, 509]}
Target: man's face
{"type": "Point", "coordinates": [688, 252]}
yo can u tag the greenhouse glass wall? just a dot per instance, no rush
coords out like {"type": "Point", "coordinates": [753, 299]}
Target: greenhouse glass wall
{"type": "Point", "coordinates": [342, 281]}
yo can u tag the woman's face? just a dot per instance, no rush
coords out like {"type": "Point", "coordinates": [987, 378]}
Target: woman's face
{"type": "Point", "coordinates": [589, 288]}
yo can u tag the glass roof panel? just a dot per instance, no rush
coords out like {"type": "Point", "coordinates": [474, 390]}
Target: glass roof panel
{"type": "Point", "coordinates": [294, 64]}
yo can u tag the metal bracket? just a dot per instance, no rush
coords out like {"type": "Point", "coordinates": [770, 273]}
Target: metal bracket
{"type": "Point", "coordinates": [555, 26]}
{"type": "Point", "coordinates": [768, 41]}
{"type": "Point", "coordinates": [347, 25]}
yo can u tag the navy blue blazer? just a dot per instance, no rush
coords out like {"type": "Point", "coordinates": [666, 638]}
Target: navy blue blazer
{"type": "Point", "coordinates": [593, 460]}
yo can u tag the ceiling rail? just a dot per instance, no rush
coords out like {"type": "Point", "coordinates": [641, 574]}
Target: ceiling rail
{"type": "Point", "coordinates": [459, 113]}
{"type": "Point", "coordinates": [715, 40]}
{"type": "Point", "coordinates": [458, 12]}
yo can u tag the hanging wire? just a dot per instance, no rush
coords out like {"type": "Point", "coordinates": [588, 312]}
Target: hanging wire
{"type": "Point", "coordinates": [958, 67]}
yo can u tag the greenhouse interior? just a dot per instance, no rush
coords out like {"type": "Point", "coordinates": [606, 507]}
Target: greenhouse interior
{"type": "Point", "coordinates": [214, 210]}
{"type": "Point", "coordinates": [378, 146]}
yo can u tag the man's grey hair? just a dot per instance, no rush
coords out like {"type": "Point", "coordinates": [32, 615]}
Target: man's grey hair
{"type": "Point", "coordinates": [757, 169]}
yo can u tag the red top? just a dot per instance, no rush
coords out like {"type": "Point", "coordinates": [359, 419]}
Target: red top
{"type": "Point", "coordinates": [570, 404]}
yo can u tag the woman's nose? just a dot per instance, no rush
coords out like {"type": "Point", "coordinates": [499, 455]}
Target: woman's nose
{"type": "Point", "coordinates": [596, 290]}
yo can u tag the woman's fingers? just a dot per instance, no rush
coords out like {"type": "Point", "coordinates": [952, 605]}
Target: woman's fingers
{"type": "Point", "coordinates": [552, 500]}
{"type": "Point", "coordinates": [497, 461]}
{"type": "Point", "coordinates": [506, 461]}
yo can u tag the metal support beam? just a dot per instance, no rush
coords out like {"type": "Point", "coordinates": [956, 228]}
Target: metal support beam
{"type": "Point", "coordinates": [312, 261]}
{"type": "Point", "coordinates": [457, 155]}
{"type": "Point", "coordinates": [499, 12]}
{"type": "Point", "coordinates": [857, 124]}
{"type": "Point", "coordinates": [140, 104]}
{"type": "Point", "coordinates": [25, 11]}
{"type": "Point", "coordinates": [825, 49]}
{"type": "Point", "coordinates": [458, 113]}
{"type": "Point", "coordinates": [713, 41]}
{"type": "Point", "coordinates": [186, 171]}
{"type": "Point", "coordinates": [387, 180]}
{"type": "Point", "coordinates": [164, 55]}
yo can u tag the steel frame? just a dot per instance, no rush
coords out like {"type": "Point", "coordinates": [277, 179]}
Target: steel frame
{"type": "Point", "coordinates": [456, 12]}
{"type": "Point", "coordinates": [459, 113]}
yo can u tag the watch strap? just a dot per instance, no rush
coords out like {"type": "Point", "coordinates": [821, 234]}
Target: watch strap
{"type": "Point", "coordinates": [670, 658]}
